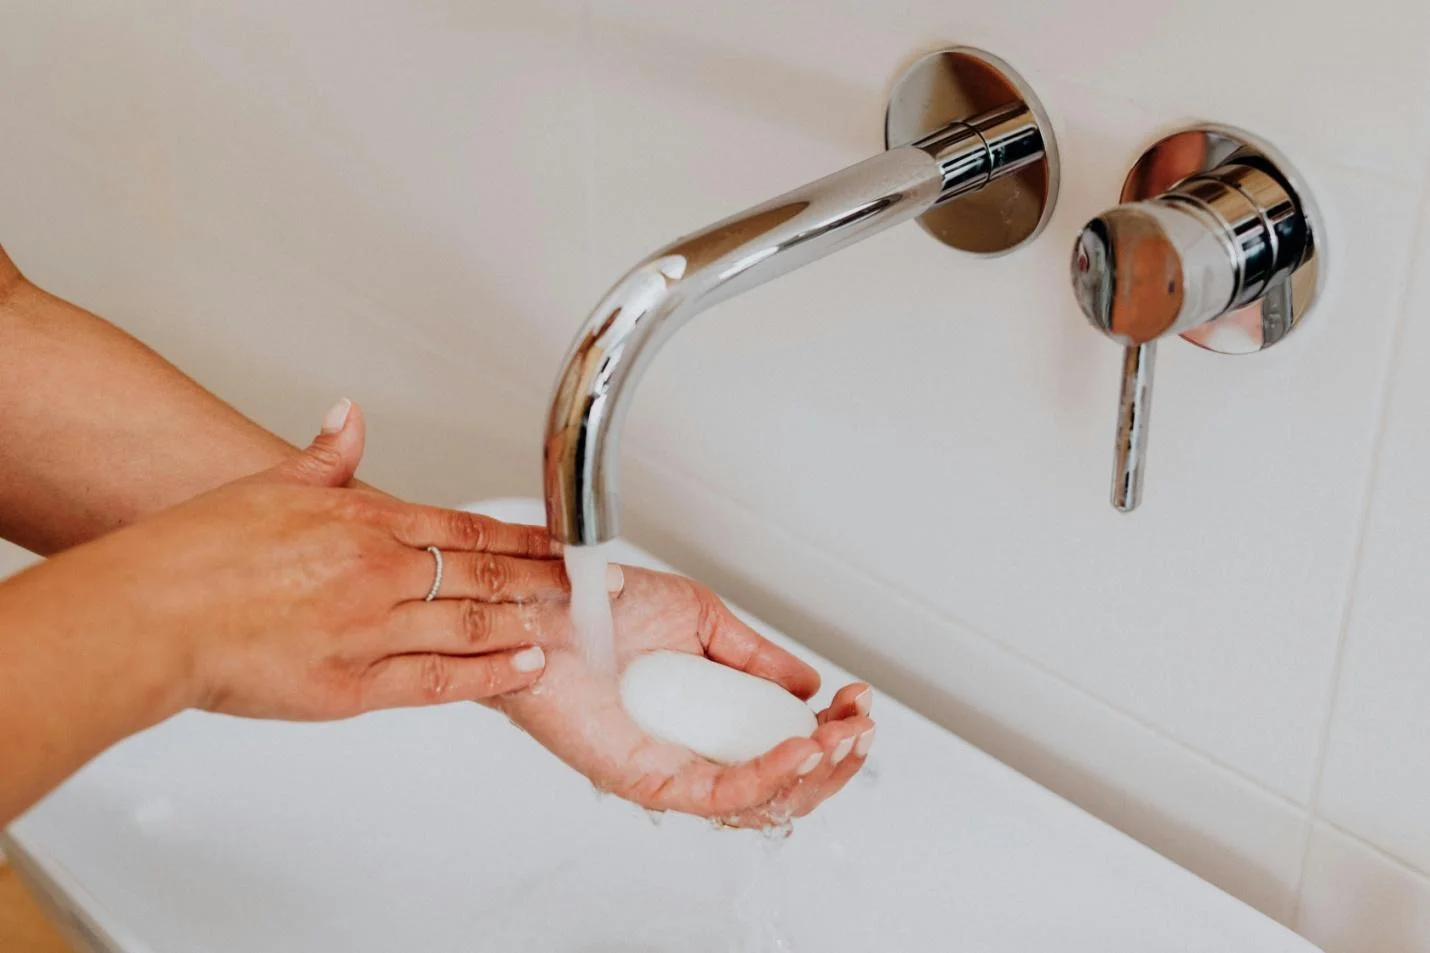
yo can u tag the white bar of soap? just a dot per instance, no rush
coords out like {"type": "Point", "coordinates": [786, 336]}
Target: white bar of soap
{"type": "Point", "coordinates": [712, 709]}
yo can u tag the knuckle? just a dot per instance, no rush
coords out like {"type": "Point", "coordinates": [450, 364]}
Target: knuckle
{"type": "Point", "coordinates": [471, 530]}
{"type": "Point", "coordinates": [477, 623]}
{"type": "Point", "coordinates": [708, 610]}
{"type": "Point", "coordinates": [529, 541]}
{"type": "Point", "coordinates": [652, 791]}
{"type": "Point", "coordinates": [494, 576]}
{"type": "Point", "coordinates": [488, 680]}
{"type": "Point", "coordinates": [436, 677]}
{"type": "Point", "coordinates": [320, 458]}
{"type": "Point", "coordinates": [361, 507]}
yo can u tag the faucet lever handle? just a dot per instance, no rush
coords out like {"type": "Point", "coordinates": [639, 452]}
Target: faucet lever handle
{"type": "Point", "coordinates": [1134, 411]}
{"type": "Point", "coordinates": [1215, 242]}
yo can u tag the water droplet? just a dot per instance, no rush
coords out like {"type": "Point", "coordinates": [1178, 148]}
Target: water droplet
{"type": "Point", "coordinates": [777, 831]}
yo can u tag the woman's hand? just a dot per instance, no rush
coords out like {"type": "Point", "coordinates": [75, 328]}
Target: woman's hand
{"type": "Point", "coordinates": [576, 712]}
{"type": "Point", "coordinates": [293, 594]}
{"type": "Point", "coordinates": [284, 595]}
{"type": "Point", "coordinates": [293, 598]}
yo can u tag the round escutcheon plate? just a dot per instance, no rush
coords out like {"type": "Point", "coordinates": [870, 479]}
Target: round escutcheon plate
{"type": "Point", "coordinates": [959, 83]}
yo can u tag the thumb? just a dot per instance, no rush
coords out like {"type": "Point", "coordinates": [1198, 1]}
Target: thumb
{"type": "Point", "coordinates": [333, 457]}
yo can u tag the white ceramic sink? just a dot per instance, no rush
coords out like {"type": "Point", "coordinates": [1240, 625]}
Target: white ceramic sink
{"type": "Point", "coordinates": [447, 829]}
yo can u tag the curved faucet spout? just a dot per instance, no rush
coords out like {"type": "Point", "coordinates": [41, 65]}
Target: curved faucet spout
{"type": "Point", "coordinates": [657, 296]}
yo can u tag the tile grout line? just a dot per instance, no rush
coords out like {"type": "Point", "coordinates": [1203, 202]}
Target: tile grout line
{"type": "Point", "coordinates": [1392, 371]}
{"type": "Point", "coordinates": [1380, 852]}
{"type": "Point", "coordinates": [940, 616]}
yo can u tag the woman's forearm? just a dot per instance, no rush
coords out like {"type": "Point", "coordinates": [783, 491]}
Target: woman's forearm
{"type": "Point", "coordinates": [96, 430]}
{"type": "Point", "coordinates": [78, 672]}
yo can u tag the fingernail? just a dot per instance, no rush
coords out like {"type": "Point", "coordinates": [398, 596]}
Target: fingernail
{"type": "Point", "coordinates": [866, 741]}
{"type": "Point", "coordinates": [841, 751]}
{"type": "Point", "coordinates": [334, 419]}
{"type": "Point", "coordinates": [864, 701]}
{"type": "Point", "coordinates": [615, 579]}
{"type": "Point", "coordinates": [811, 763]}
{"type": "Point", "coordinates": [529, 660]}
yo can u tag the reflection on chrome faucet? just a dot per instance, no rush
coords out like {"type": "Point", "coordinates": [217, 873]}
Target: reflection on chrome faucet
{"type": "Point", "coordinates": [1217, 241]}
{"type": "Point", "coordinates": [959, 123]}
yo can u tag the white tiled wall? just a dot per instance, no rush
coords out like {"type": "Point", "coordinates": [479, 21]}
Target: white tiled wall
{"type": "Point", "coordinates": [899, 454]}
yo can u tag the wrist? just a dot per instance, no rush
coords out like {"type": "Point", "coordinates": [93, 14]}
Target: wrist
{"type": "Point", "coordinates": [73, 683]}
{"type": "Point", "coordinates": [110, 636]}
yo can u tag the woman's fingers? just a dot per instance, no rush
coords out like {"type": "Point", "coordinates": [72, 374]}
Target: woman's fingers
{"type": "Point", "coordinates": [836, 742]}
{"type": "Point", "coordinates": [843, 748]}
{"type": "Point", "coordinates": [470, 626]}
{"type": "Point", "coordinates": [423, 526]}
{"type": "Point", "coordinates": [840, 740]}
{"type": "Point", "coordinates": [863, 744]}
{"type": "Point", "coordinates": [331, 459]}
{"type": "Point", "coordinates": [431, 678]}
{"type": "Point", "coordinates": [731, 642]}
{"type": "Point", "coordinates": [713, 790]}
{"type": "Point", "coordinates": [853, 699]}
{"type": "Point", "coordinates": [486, 576]}
{"type": "Point", "coordinates": [495, 578]}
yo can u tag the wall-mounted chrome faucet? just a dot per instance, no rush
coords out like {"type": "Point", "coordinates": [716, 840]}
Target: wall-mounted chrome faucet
{"type": "Point", "coordinates": [969, 151]}
{"type": "Point", "coordinates": [1218, 243]}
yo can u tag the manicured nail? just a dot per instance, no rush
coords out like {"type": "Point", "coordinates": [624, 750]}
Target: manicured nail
{"type": "Point", "coordinates": [841, 751]}
{"type": "Point", "coordinates": [615, 579]}
{"type": "Point", "coordinates": [811, 763]}
{"type": "Point", "coordinates": [334, 419]}
{"type": "Point", "coordinates": [864, 701]}
{"type": "Point", "coordinates": [529, 660]}
{"type": "Point", "coordinates": [866, 741]}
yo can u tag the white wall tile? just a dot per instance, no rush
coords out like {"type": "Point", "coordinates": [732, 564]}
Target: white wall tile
{"type": "Point", "coordinates": [1377, 776]}
{"type": "Point", "coordinates": [1355, 899]}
